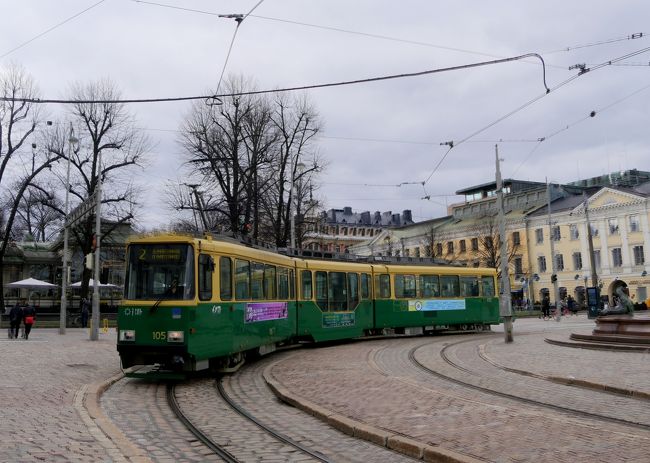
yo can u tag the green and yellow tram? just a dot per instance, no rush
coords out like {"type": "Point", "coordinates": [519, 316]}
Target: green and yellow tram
{"type": "Point", "coordinates": [193, 304]}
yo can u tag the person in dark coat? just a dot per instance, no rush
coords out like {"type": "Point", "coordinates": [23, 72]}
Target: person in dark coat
{"type": "Point", "coordinates": [15, 317]}
{"type": "Point", "coordinates": [29, 316]}
{"type": "Point", "coordinates": [84, 313]}
{"type": "Point", "coordinates": [546, 307]}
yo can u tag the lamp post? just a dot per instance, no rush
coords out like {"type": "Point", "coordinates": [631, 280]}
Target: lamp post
{"type": "Point", "coordinates": [65, 274]}
{"type": "Point", "coordinates": [505, 302]}
{"type": "Point", "coordinates": [94, 332]}
{"type": "Point", "coordinates": [556, 290]}
{"type": "Point", "coordinates": [298, 168]}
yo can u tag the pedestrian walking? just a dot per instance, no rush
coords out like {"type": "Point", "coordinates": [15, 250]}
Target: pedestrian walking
{"type": "Point", "coordinates": [15, 317]}
{"type": "Point", "coordinates": [29, 317]}
{"type": "Point", "coordinates": [546, 307]}
{"type": "Point", "coordinates": [84, 313]}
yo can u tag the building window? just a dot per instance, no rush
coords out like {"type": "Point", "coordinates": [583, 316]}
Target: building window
{"type": "Point", "coordinates": [539, 236]}
{"type": "Point", "coordinates": [638, 255]}
{"type": "Point", "coordinates": [613, 226]}
{"type": "Point", "coordinates": [450, 247]}
{"type": "Point", "coordinates": [541, 264]}
{"type": "Point", "coordinates": [474, 244]}
{"type": "Point", "coordinates": [574, 234]}
{"type": "Point", "coordinates": [417, 252]}
{"type": "Point", "coordinates": [515, 238]}
{"type": "Point", "coordinates": [519, 268]}
{"type": "Point", "coordinates": [617, 257]}
{"type": "Point", "coordinates": [597, 258]}
{"type": "Point", "coordinates": [438, 249]}
{"type": "Point", "coordinates": [577, 261]}
{"type": "Point", "coordinates": [555, 233]}
{"type": "Point", "coordinates": [407, 252]}
{"type": "Point", "coordinates": [634, 223]}
{"type": "Point", "coordinates": [462, 246]}
{"type": "Point", "coordinates": [594, 230]}
{"type": "Point", "coordinates": [559, 262]}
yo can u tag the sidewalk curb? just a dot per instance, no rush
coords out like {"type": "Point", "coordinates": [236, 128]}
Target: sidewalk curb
{"type": "Point", "coordinates": [91, 403]}
{"type": "Point", "coordinates": [397, 442]}
{"type": "Point", "coordinates": [564, 380]}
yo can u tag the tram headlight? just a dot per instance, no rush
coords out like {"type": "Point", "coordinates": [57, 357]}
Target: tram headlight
{"type": "Point", "coordinates": [175, 336]}
{"type": "Point", "coordinates": [127, 335]}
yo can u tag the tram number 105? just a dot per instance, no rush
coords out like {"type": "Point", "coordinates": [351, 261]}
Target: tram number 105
{"type": "Point", "coordinates": [159, 335]}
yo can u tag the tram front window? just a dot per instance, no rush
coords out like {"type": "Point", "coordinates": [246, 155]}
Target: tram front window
{"type": "Point", "coordinates": [160, 271]}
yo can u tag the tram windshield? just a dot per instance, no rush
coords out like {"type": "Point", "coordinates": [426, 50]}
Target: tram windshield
{"type": "Point", "coordinates": [160, 272]}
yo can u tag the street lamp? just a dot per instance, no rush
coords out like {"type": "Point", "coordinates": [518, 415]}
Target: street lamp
{"type": "Point", "coordinates": [299, 168]}
{"type": "Point", "coordinates": [65, 274]}
{"type": "Point", "coordinates": [94, 332]}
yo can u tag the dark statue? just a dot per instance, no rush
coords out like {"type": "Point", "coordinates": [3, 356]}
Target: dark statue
{"type": "Point", "coordinates": [622, 304]}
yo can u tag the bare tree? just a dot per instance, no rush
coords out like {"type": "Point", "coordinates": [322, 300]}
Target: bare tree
{"type": "Point", "coordinates": [213, 136]}
{"type": "Point", "coordinates": [489, 250]}
{"type": "Point", "coordinates": [430, 242]}
{"type": "Point", "coordinates": [105, 130]}
{"type": "Point", "coordinates": [244, 152]}
{"type": "Point", "coordinates": [297, 124]}
{"type": "Point", "coordinates": [37, 214]}
{"type": "Point", "coordinates": [19, 167]}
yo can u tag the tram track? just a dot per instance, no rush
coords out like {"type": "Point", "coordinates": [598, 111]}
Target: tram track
{"type": "Point", "coordinates": [518, 398]}
{"type": "Point", "coordinates": [217, 449]}
{"type": "Point", "coordinates": [276, 434]}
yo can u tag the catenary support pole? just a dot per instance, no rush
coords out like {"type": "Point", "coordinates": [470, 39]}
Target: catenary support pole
{"type": "Point", "coordinates": [505, 301]}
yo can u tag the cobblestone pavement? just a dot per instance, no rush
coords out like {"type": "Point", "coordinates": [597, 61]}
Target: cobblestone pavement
{"type": "Point", "coordinates": [42, 384]}
{"type": "Point", "coordinates": [140, 409]}
{"type": "Point", "coordinates": [49, 385]}
{"type": "Point", "coordinates": [376, 383]}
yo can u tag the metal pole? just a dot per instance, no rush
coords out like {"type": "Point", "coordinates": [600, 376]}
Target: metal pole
{"type": "Point", "coordinates": [590, 241]}
{"type": "Point", "coordinates": [505, 302]}
{"type": "Point", "coordinates": [556, 291]}
{"type": "Point", "coordinates": [94, 332]}
{"type": "Point", "coordinates": [65, 274]}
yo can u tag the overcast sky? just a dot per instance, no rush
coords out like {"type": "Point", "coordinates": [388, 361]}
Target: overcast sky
{"type": "Point", "coordinates": [380, 133]}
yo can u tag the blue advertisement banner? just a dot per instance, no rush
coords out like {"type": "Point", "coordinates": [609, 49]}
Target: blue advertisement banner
{"type": "Point", "coordinates": [436, 304]}
{"type": "Point", "coordinates": [338, 319]}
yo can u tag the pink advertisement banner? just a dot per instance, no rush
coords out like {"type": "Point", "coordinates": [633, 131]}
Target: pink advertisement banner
{"type": "Point", "coordinates": [264, 311]}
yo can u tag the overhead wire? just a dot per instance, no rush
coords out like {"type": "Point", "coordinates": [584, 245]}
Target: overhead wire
{"type": "Point", "coordinates": [286, 89]}
{"type": "Point", "coordinates": [76, 15]}
{"type": "Point", "coordinates": [636, 35]}
{"type": "Point", "coordinates": [591, 114]}
{"type": "Point", "coordinates": [532, 101]}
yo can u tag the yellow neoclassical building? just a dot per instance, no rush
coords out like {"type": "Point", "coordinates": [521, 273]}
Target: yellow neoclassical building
{"type": "Point", "coordinates": [618, 214]}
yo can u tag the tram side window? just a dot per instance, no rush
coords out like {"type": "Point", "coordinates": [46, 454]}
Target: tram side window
{"type": "Point", "coordinates": [321, 290]}
{"type": "Point", "coordinates": [283, 283]}
{"type": "Point", "coordinates": [292, 285]}
{"type": "Point", "coordinates": [337, 291]}
{"type": "Point", "coordinates": [270, 284]}
{"type": "Point", "coordinates": [365, 286]}
{"type": "Point", "coordinates": [206, 267]}
{"type": "Point", "coordinates": [429, 286]}
{"type": "Point", "coordinates": [257, 281]}
{"type": "Point", "coordinates": [382, 286]}
{"type": "Point", "coordinates": [488, 286]}
{"type": "Point", "coordinates": [305, 277]}
{"type": "Point", "coordinates": [449, 286]}
{"type": "Point", "coordinates": [225, 278]}
{"type": "Point", "coordinates": [405, 286]}
{"type": "Point", "coordinates": [468, 287]}
{"type": "Point", "coordinates": [353, 290]}
{"type": "Point", "coordinates": [242, 279]}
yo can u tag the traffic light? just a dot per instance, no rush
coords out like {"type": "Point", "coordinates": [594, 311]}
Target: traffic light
{"type": "Point", "coordinates": [89, 261]}
{"type": "Point", "coordinates": [553, 278]}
